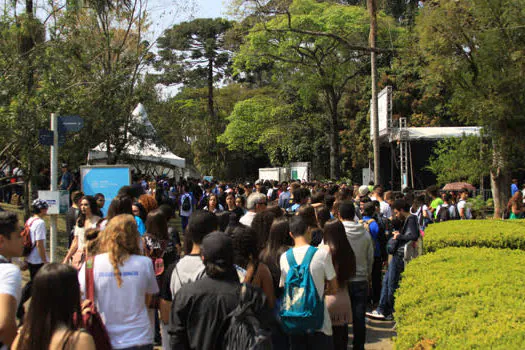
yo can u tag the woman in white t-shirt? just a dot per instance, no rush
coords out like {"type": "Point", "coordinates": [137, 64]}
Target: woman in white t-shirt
{"type": "Point", "coordinates": [86, 220]}
{"type": "Point", "coordinates": [124, 280]}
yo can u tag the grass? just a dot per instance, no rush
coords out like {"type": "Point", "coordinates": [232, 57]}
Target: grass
{"type": "Point", "coordinates": [62, 237]}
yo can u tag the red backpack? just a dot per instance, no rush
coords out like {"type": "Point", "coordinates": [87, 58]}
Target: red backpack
{"type": "Point", "coordinates": [26, 237]}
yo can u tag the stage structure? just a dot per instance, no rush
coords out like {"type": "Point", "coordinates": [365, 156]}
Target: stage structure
{"type": "Point", "coordinates": [400, 137]}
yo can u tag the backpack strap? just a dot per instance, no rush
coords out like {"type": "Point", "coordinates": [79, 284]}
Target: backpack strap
{"type": "Point", "coordinates": [90, 279]}
{"type": "Point", "coordinates": [291, 258]}
{"type": "Point", "coordinates": [308, 256]}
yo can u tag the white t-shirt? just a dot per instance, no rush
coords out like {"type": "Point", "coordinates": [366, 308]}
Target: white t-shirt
{"type": "Point", "coordinates": [247, 218]}
{"type": "Point", "coordinates": [185, 212]}
{"type": "Point", "coordinates": [79, 231]}
{"type": "Point", "coordinates": [10, 283]}
{"type": "Point", "coordinates": [187, 270]}
{"type": "Point", "coordinates": [124, 309]}
{"type": "Point", "coordinates": [38, 233]}
{"type": "Point", "coordinates": [385, 210]}
{"type": "Point", "coordinates": [462, 204]}
{"type": "Point", "coordinates": [321, 269]}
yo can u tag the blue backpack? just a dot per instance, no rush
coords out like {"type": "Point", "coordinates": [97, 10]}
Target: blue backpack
{"type": "Point", "coordinates": [302, 310]}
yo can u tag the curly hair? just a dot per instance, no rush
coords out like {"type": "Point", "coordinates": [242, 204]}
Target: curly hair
{"type": "Point", "coordinates": [120, 239]}
{"type": "Point", "coordinates": [148, 202]}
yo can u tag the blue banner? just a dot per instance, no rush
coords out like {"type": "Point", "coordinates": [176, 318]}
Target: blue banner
{"type": "Point", "coordinates": [106, 180]}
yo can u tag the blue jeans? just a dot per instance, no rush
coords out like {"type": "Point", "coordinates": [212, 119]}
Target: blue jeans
{"type": "Point", "coordinates": [314, 341]}
{"type": "Point", "coordinates": [390, 285]}
{"type": "Point", "coordinates": [184, 223]}
{"type": "Point", "coordinates": [358, 296]}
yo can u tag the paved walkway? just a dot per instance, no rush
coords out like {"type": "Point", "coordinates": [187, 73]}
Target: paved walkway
{"type": "Point", "coordinates": [379, 335]}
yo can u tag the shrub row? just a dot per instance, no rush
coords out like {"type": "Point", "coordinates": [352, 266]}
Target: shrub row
{"type": "Point", "coordinates": [475, 233]}
{"type": "Point", "coordinates": [462, 298]}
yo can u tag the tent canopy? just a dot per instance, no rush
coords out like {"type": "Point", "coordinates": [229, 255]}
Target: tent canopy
{"type": "Point", "coordinates": [431, 133]}
{"type": "Point", "coordinates": [150, 153]}
{"type": "Point", "coordinates": [141, 148]}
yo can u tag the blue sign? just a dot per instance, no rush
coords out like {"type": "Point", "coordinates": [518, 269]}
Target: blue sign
{"type": "Point", "coordinates": [45, 138]}
{"type": "Point", "coordinates": [106, 180]}
{"type": "Point", "coordinates": [70, 123]}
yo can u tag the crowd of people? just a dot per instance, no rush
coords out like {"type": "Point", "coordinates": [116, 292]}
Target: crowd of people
{"type": "Point", "coordinates": [279, 265]}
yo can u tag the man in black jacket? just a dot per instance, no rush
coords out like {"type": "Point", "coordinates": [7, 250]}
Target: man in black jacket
{"type": "Point", "coordinates": [408, 234]}
{"type": "Point", "coordinates": [200, 309]}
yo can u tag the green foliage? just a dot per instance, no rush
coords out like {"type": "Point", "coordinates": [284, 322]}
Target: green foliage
{"type": "Point", "coordinates": [319, 51]}
{"type": "Point", "coordinates": [477, 48]}
{"type": "Point", "coordinates": [462, 298]}
{"type": "Point", "coordinates": [455, 160]}
{"type": "Point", "coordinates": [475, 233]}
{"type": "Point", "coordinates": [189, 50]}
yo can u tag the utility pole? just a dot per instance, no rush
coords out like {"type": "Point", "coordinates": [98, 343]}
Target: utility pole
{"type": "Point", "coordinates": [54, 179]}
{"type": "Point", "coordinates": [374, 113]}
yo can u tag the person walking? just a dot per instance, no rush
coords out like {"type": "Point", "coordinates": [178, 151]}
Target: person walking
{"type": "Point", "coordinates": [87, 219]}
{"type": "Point", "coordinates": [37, 258]}
{"type": "Point", "coordinates": [124, 281]}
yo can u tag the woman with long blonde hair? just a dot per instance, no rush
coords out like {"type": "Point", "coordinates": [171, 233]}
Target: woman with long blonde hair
{"type": "Point", "coordinates": [124, 280]}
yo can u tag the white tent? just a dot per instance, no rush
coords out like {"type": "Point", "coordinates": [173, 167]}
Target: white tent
{"type": "Point", "coordinates": [437, 133]}
{"type": "Point", "coordinates": [431, 133]}
{"type": "Point", "coordinates": [143, 149]}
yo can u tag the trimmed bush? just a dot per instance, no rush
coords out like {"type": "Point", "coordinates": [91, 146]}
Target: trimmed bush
{"type": "Point", "coordinates": [462, 298]}
{"type": "Point", "coordinates": [475, 233]}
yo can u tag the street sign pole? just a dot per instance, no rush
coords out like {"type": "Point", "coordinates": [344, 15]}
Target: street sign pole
{"type": "Point", "coordinates": [54, 180]}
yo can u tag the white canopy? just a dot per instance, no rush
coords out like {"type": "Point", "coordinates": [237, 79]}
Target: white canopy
{"type": "Point", "coordinates": [149, 153]}
{"type": "Point", "coordinates": [436, 133]}
{"type": "Point", "coordinates": [432, 133]}
{"type": "Point", "coordinates": [141, 149]}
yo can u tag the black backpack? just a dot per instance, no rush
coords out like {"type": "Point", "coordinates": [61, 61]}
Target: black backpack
{"type": "Point", "coordinates": [186, 203]}
{"type": "Point", "coordinates": [443, 214]}
{"type": "Point", "coordinates": [246, 329]}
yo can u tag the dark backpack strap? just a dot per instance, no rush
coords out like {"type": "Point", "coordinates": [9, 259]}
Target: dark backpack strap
{"type": "Point", "coordinates": [308, 256]}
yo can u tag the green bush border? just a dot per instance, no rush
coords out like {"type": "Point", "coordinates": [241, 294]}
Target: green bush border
{"type": "Point", "coordinates": [475, 233]}
{"type": "Point", "coordinates": [463, 298]}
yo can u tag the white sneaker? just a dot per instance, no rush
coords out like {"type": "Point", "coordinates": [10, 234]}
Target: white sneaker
{"type": "Point", "coordinates": [376, 315]}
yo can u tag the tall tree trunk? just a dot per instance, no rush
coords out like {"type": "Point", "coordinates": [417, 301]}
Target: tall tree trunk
{"type": "Point", "coordinates": [334, 140]}
{"type": "Point", "coordinates": [499, 181]}
{"type": "Point", "coordinates": [374, 113]}
{"type": "Point", "coordinates": [211, 110]}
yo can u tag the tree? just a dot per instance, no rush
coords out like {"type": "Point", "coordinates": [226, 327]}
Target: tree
{"type": "Point", "coordinates": [477, 46]}
{"type": "Point", "coordinates": [455, 160]}
{"type": "Point", "coordinates": [195, 54]}
{"type": "Point", "coordinates": [319, 48]}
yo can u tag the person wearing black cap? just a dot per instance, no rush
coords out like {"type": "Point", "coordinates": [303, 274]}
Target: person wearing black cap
{"type": "Point", "coordinates": [200, 308]}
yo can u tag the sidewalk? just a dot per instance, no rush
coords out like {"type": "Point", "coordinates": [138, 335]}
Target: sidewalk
{"type": "Point", "coordinates": [378, 335]}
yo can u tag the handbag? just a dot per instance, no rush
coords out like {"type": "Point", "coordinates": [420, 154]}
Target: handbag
{"type": "Point", "coordinates": [91, 318]}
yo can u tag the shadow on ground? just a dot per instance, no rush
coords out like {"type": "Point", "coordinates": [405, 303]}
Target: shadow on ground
{"type": "Point", "coordinates": [378, 335]}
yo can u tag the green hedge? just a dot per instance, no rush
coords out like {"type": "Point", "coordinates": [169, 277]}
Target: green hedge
{"type": "Point", "coordinates": [463, 298]}
{"type": "Point", "coordinates": [475, 233]}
